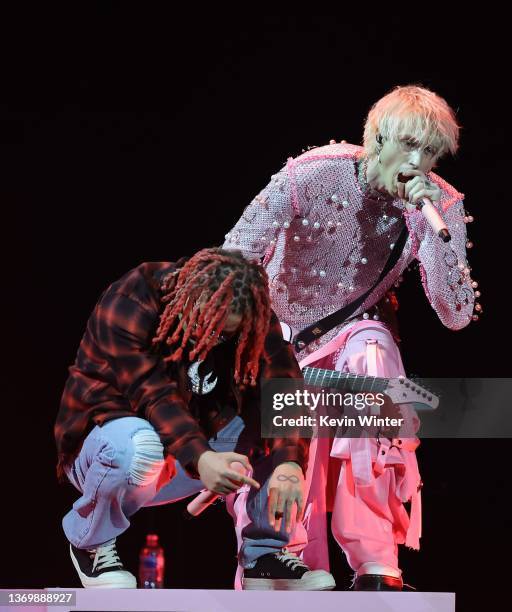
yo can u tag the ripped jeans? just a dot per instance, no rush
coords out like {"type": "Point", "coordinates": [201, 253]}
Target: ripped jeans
{"type": "Point", "coordinates": [117, 471]}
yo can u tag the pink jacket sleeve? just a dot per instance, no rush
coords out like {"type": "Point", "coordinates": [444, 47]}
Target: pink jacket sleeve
{"type": "Point", "coordinates": [444, 269]}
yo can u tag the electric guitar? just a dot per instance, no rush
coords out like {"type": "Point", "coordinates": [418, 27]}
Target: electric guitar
{"type": "Point", "coordinates": [400, 390]}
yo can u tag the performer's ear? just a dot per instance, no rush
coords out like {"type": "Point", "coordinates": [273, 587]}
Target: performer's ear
{"type": "Point", "coordinates": [379, 139]}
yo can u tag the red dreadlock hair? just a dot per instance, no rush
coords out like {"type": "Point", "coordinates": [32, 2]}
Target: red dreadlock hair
{"type": "Point", "coordinates": [199, 297]}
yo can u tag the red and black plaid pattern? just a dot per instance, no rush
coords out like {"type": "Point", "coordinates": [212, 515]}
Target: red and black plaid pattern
{"type": "Point", "coordinates": [116, 373]}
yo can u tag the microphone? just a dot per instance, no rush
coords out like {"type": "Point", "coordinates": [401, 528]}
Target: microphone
{"type": "Point", "coordinates": [207, 498]}
{"type": "Point", "coordinates": [430, 213]}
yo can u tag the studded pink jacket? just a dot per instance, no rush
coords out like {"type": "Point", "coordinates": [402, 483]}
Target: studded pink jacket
{"type": "Point", "coordinates": [325, 240]}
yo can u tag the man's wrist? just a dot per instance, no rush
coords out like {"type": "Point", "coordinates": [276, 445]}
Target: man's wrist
{"type": "Point", "coordinates": [190, 454]}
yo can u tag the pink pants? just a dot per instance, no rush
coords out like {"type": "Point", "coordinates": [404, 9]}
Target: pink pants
{"type": "Point", "coordinates": [365, 494]}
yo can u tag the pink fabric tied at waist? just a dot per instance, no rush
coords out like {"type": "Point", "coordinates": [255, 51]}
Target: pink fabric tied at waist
{"type": "Point", "coordinates": [368, 460]}
{"type": "Point", "coordinates": [334, 345]}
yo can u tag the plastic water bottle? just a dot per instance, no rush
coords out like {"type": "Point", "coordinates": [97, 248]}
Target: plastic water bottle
{"type": "Point", "coordinates": [151, 564]}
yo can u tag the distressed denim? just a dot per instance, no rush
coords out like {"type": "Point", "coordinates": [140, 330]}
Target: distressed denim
{"type": "Point", "coordinates": [117, 472]}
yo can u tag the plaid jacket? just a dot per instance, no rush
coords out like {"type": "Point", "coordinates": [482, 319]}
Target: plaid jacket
{"type": "Point", "coordinates": [117, 373]}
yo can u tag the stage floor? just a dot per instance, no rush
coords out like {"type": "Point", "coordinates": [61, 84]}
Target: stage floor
{"type": "Point", "coordinates": [170, 600]}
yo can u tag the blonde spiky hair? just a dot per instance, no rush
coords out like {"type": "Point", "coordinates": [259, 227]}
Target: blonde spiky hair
{"type": "Point", "coordinates": [416, 111]}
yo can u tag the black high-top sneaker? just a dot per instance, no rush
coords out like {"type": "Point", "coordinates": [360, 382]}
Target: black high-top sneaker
{"type": "Point", "coordinates": [101, 567]}
{"type": "Point", "coordinates": [284, 571]}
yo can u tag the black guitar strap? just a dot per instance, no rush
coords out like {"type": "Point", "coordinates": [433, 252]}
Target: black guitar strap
{"type": "Point", "coordinates": [318, 329]}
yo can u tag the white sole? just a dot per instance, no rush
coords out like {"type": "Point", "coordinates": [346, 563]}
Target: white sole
{"type": "Point", "coordinates": [319, 581]}
{"type": "Point", "coordinates": [121, 579]}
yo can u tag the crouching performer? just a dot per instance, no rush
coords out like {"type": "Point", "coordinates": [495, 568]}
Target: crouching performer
{"type": "Point", "coordinates": [163, 398]}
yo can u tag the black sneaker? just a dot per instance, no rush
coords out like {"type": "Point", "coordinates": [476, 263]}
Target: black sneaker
{"type": "Point", "coordinates": [284, 571]}
{"type": "Point", "coordinates": [101, 568]}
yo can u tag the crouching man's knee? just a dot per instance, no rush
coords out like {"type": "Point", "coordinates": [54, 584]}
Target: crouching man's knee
{"type": "Point", "coordinates": [148, 458]}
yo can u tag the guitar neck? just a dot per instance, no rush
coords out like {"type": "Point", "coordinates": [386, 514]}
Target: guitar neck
{"type": "Point", "coordinates": [354, 383]}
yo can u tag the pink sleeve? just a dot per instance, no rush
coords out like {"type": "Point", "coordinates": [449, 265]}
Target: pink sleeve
{"type": "Point", "coordinates": [443, 266]}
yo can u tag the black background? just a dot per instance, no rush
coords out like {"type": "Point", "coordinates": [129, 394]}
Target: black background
{"type": "Point", "coordinates": [130, 134]}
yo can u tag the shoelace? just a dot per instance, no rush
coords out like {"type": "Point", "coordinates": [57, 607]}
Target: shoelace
{"type": "Point", "coordinates": [291, 560]}
{"type": "Point", "coordinates": [105, 556]}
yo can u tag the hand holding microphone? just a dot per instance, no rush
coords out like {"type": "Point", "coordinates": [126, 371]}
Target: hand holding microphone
{"type": "Point", "coordinates": [237, 477]}
{"type": "Point", "coordinates": [415, 189]}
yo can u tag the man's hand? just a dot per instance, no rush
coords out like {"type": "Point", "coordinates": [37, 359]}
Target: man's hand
{"type": "Point", "coordinates": [285, 488]}
{"type": "Point", "coordinates": [416, 188]}
{"type": "Point", "coordinates": [216, 473]}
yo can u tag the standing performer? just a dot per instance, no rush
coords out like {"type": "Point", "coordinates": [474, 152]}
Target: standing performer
{"type": "Point", "coordinates": [336, 227]}
{"type": "Point", "coordinates": [163, 398]}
